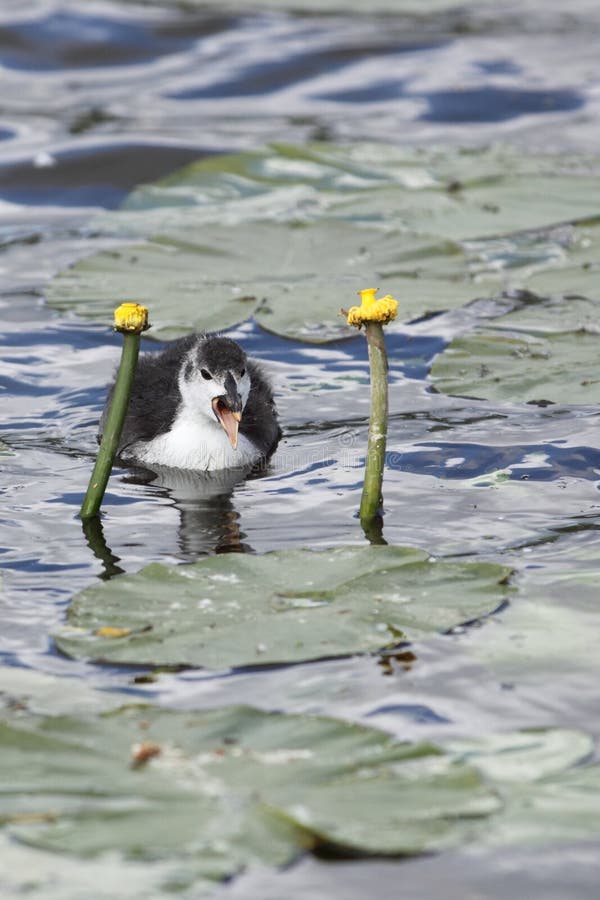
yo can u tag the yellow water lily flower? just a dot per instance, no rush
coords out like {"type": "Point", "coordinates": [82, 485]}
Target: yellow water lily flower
{"type": "Point", "coordinates": [131, 317]}
{"type": "Point", "coordinates": [372, 310]}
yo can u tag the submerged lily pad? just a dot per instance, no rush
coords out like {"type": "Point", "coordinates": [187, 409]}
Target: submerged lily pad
{"type": "Point", "coordinates": [281, 607]}
{"type": "Point", "coordinates": [289, 234]}
{"type": "Point", "coordinates": [228, 788]}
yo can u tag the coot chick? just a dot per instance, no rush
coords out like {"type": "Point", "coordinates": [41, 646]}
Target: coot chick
{"type": "Point", "coordinates": [200, 404]}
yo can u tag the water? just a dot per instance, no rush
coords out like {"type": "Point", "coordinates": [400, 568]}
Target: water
{"type": "Point", "coordinates": [99, 98]}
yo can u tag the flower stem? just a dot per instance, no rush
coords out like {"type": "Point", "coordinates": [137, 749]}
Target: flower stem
{"type": "Point", "coordinates": [372, 500]}
{"type": "Point", "coordinates": [113, 427]}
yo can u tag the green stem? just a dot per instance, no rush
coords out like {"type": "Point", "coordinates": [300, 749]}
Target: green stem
{"type": "Point", "coordinates": [372, 500]}
{"type": "Point", "coordinates": [113, 427]}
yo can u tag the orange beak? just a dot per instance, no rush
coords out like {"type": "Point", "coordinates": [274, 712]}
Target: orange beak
{"type": "Point", "coordinates": [228, 419]}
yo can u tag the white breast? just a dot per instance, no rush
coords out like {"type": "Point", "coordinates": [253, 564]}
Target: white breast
{"type": "Point", "coordinates": [195, 443]}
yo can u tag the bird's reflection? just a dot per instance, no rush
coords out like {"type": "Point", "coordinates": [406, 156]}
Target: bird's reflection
{"type": "Point", "coordinates": [209, 522]}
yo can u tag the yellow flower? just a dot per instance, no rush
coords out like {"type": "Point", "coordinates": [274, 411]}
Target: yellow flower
{"type": "Point", "coordinates": [131, 317]}
{"type": "Point", "coordinates": [108, 631]}
{"type": "Point", "coordinates": [371, 310]}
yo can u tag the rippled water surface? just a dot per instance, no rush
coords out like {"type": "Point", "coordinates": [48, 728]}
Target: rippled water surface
{"type": "Point", "coordinates": [101, 96]}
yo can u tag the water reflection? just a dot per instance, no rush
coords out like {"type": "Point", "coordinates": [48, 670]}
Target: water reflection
{"type": "Point", "coordinates": [495, 104]}
{"type": "Point", "coordinates": [96, 176]}
{"type": "Point", "coordinates": [96, 541]}
{"type": "Point", "coordinates": [209, 520]}
{"type": "Point", "coordinates": [67, 39]}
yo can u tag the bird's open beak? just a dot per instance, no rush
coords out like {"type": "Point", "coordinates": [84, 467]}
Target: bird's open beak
{"type": "Point", "coordinates": [228, 418]}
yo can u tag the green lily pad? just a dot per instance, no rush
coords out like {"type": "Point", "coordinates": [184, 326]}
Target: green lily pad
{"type": "Point", "coordinates": [451, 193]}
{"type": "Point", "coordinates": [45, 875]}
{"type": "Point", "coordinates": [294, 280]}
{"type": "Point", "coordinates": [524, 756]}
{"type": "Point", "coordinates": [561, 809]}
{"type": "Point", "coordinates": [290, 234]}
{"type": "Point", "coordinates": [544, 317]}
{"type": "Point", "coordinates": [546, 348]}
{"type": "Point", "coordinates": [541, 627]}
{"type": "Point", "coordinates": [219, 790]}
{"type": "Point", "coordinates": [26, 689]}
{"type": "Point", "coordinates": [548, 797]}
{"type": "Point", "coordinates": [281, 607]}
{"type": "Point", "coordinates": [512, 366]}
{"type": "Point", "coordinates": [161, 276]}
{"type": "Point", "coordinates": [574, 272]}
{"type": "Point", "coordinates": [569, 281]}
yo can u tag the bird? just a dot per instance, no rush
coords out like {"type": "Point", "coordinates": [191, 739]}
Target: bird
{"type": "Point", "coordinates": [201, 404]}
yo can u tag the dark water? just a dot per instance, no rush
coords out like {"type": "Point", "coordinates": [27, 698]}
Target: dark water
{"type": "Point", "coordinates": [99, 97]}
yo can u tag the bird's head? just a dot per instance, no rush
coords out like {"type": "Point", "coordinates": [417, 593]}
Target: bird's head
{"type": "Point", "coordinates": [214, 382]}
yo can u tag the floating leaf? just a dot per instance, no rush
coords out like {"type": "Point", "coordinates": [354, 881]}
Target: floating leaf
{"type": "Point", "coordinates": [541, 629]}
{"type": "Point", "coordinates": [547, 797]}
{"type": "Point", "coordinates": [291, 233]}
{"type": "Point", "coordinates": [281, 607]}
{"type": "Point", "coordinates": [524, 756]}
{"type": "Point", "coordinates": [25, 689]}
{"type": "Point", "coordinates": [568, 281]}
{"type": "Point", "coordinates": [230, 788]}
{"type": "Point", "coordinates": [544, 317]}
{"type": "Point", "coordinates": [560, 809]}
{"type": "Point", "coordinates": [175, 283]}
{"type": "Point", "coordinates": [576, 271]}
{"type": "Point", "coordinates": [499, 365]}
{"type": "Point", "coordinates": [293, 279]}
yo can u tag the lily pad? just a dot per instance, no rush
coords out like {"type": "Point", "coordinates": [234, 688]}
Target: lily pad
{"type": "Point", "coordinates": [538, 365]}
{"type": "Point", "coordinates": [25, 689]}
{"type": "Point", "coordinates": [560, 809]}
{"type": "Point", "coordinates": [228, 788]}
{"type": "Point", "coordinates": [569, 281]}
{"type": "Point", "coordinates": [43, 875]}
{"type": "Point", "coordinates": [289, 234]}
{"type": "Point", "coordinates": [281, 607]}
{"type": "Point", "coordinates": [524, 756]}
{"type": "Point", "coordinates": [545, 349]}
{"type": "Point", "coordinates": [547, 795]}
{"type": "Point", "coordinates": [294, 280]}
{"type": "Point", "coordinates": [541, 626]}
{"type": "Point", "coordinates": [575, 271]}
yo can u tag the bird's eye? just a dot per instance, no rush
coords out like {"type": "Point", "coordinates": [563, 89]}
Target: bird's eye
{"type": "Point", "coordinates": [242, 373]}
{"type": "Point", "coordinates": [206, 374]}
